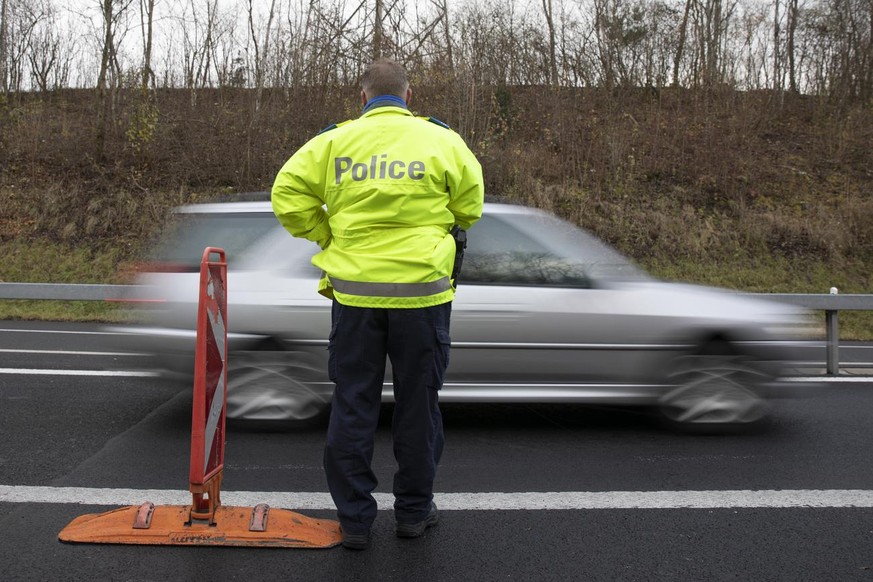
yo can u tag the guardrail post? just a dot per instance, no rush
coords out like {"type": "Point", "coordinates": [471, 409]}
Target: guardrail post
{"type": "Point", "coordinates": [833, 339]}
{"type": "Point", "coordinates": [833, 343]}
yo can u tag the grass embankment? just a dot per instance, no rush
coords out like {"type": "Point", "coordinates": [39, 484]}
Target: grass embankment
{"type": "Point", "coordinates": [36, 261]}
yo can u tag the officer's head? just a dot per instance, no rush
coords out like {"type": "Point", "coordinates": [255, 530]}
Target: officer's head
{"type": "Point", "coordinates": [385, 77]}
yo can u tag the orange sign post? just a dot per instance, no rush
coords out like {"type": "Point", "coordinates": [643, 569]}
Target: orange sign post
{"type": "Point", "coordinates": [206, 522]}
{"type": "Point", "coordinates": [210, 383]}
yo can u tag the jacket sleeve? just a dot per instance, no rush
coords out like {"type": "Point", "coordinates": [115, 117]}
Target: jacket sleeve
{"type": "Point", "coordinates": [298, 195]}
{"type": "Point", "coordinates": [466, 188]}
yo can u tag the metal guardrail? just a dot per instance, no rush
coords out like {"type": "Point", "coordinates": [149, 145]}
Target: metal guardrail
{"type": "Point", "coordinates": [831, 303]}
{"type": "Point", "coordinates": [65, 291]}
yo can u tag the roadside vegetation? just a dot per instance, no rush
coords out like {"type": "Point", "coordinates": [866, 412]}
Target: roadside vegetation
{"type": "Point", "coordinates": [705, 145]}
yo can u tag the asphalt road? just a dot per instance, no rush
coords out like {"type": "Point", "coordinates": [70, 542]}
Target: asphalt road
{"type": "Point", "coordinates": [625, 499]}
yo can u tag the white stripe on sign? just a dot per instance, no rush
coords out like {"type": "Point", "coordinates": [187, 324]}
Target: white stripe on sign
{"type": "Point", "coordinates": [39, 372]}
{"type": "Point", "coordinates": [567, 500]}
{"type": "Point", "coordinates": [212, 422]}
{"type": "Point", "coordinates": [219, 334]}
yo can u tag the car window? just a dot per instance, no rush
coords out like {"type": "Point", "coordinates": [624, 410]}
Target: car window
{"type": "Point", "coordinates": [577, 247]}
{"type": "Point", "coordinates": [499, 253]}
{"type": "Point", "coordinates": [288, 255]}
{"type": "Point", "coordinates": [186, 234]}
{"type": "Point", "coordinates": [540, 249]}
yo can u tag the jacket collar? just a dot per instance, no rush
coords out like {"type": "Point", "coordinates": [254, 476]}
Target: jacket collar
{"type": "Point", "coordinates": [384, 101]}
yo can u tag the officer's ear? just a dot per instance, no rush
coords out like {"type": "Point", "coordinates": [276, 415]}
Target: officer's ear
{"type": "Point", "coordinates": [364, 98]}
{"type": "Point", "coordinates": [408, 95]}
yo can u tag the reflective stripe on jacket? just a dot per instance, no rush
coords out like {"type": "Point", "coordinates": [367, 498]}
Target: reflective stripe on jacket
{"type": "Point", "coordinates": [379, 195]}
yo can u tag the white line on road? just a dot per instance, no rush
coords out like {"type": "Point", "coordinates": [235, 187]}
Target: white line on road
{"type": "Point", "coordinates": [69, 353]}
{"type": "Point", "coordinates": [51, 372]}
{"type": "Point", "coordinates": [40, 372]}
{"type": "Point", "coordinates": [63, 331]}
{"type": "Point", "coordinates": [834, 379]}
{"type": "Point", "coordinates": [568, 500]}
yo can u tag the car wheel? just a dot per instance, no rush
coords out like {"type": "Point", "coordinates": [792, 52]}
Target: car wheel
{"type": "Point", "coordinates": [271, 387]}
{"type": "Point", "coordinates": [714, 390]}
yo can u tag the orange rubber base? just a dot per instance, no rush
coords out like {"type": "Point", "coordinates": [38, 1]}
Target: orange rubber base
{"type": "Point", "coordinates": [169, 525]}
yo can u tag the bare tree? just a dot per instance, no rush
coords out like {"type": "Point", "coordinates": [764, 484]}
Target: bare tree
{"type": "Point", "coordinates": [602, 24]}
{"type": "Point", "coordinates": [708, 26]}
{"type": "Point", "coordinates": [549, 12]}
{"type": "Point", "coordinates": [443, 12]}
{"type": "Point", "coordinates": [261, 47]}
{"type": "Point", "coordinates": [752, 57]}
{"type": "Point", "coordinates": [680, 45]}
{"type": "Point", "coordinates": [777, 42]}
{"type": "Point", "coordinates": [621, 32]}
{"type": "Point", "coordinates": [378, 30]}
{"type": "Point", "coordinates": [415, 37]}
{"type": "Point", "coordinates": [112, 11]}
{"type": "Point", "coordinates": [790, 48]}
{"type": "Point", "coordinates": [203, 45]}
{"type": "Point", "coordinates": [339, 43]}
{"type": "Point", "coordinates": [105, 59]}
{"type": "Point", "coordinates": [820, 45]}
{"type": "Point", "coordinates": [22, 19]}
{"type": "Point", "coordinates": [4, 33]}
{"type": "Point", "coordinates": [44, 51]}
{"type": "Point", "coordinates": [211, 31]}
{"type": "Point", "coordinates": [852, 73]}
{"type": "Point", "coordinates": [147, 19]}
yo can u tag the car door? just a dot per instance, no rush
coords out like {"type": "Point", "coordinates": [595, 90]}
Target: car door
{"type": "Point", "coordinates": [524, 315]}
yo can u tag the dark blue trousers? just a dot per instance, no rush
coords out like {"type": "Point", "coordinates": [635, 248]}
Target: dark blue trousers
{"type": "Point", "coordinates": [417, 343]}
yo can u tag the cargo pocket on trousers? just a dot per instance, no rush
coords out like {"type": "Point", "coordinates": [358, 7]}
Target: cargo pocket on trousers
{"type": "Point", "coordinates": [442, 350]}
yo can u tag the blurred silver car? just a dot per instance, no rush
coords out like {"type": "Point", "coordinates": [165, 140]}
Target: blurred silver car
{"type": "Point", "coordinates": [545, 312]}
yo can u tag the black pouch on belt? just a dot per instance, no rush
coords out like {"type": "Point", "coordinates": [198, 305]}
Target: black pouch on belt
{"type": "Point", "coordinates": [460, 237]}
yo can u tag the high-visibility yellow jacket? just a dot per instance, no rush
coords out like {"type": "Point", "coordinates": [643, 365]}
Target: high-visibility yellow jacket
{"type": "Point", "coordinates": [379, 194]}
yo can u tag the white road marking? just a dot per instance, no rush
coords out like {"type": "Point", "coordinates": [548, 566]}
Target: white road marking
{"type": "Point", "coordinates": [41, 372]}
{"type": "Point", "coordinates": [51, 372]}
{"type": "Point", "coordinates": [868, 379]}
{"type": "Point", "coordinates": [72, 332]}
{"type": "Point", "coordinates": [530, 501]}
{"type": "Point", "coordinates": [69, 353]}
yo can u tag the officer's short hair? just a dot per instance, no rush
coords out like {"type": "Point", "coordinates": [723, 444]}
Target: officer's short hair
{"type": "Point", "coordinates": [385, 77]}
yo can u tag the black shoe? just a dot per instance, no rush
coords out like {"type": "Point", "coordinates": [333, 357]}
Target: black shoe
{"type": "Point", "coordinates": [414, 530]}
{"type": "Point", "coordinates": [358, 541]}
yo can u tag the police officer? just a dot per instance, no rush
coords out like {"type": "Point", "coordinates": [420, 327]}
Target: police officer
{"type": "Point", "coordinates": [380, 194]}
